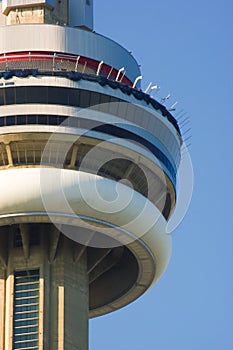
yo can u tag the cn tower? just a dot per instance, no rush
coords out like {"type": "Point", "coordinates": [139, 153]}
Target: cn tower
{"type": "Point", "coordinates": [88, 165]}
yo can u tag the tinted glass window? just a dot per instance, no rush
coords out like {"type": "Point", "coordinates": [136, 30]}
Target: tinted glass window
{"type": "Point", "coordinates": [31, 119]}
{"type": "Point", "coordinates": [21, 119]}
{"type": "Point", "coordinates": [36, 94]}
{"type": "Point", "coordinates": [42, 119]}
{"type": "Point", "coordinates": [21, 94]}
{"type": "Point", "coordinates": [10, 96]}
{"type": "Point", "coordinates": [84, 99]}
{"type": "Point", "coordinates": [10, 120]}
{"type": "Point", "coordinates": [74, 96]}
{"type": "Point", "coordinates": [95, 99]}
{"type": "Point", "coordinates": [26, 310]}
{"type": "Point", "coordinates": [58, 96]}
{"type": "Point", "coordinates": [2, 97]}
{"type": "Point", "coordinates": [53, 120]}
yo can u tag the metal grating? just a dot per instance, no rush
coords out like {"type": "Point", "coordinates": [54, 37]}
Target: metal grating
{"type": "Point", "coordinates": [26, 310]}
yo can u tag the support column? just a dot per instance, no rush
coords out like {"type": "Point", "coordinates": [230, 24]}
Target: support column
{"type": "Point", "coordinates": [9, 155]}
{"type": "Point", "coordinates": [9, 312]}
{"type": "Point", "coordinates": [69, 300]}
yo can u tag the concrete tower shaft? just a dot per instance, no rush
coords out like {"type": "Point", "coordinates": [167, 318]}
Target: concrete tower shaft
{"type": "Point", "coordinates": [43, 290]}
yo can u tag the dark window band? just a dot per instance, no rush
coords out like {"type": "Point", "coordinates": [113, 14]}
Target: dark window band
{"type": "Point", "coordinates": [108, 129]}
{"type": "Point", "coordinates": [76, 76]}
{"type": "Point", "coordinates": [53, 95]}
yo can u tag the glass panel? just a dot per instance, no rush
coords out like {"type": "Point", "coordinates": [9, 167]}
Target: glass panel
{"type": "Point", "coordinates": [21, 94]}
{"type": "Point", "coordinates": [84, 99]}
{"type": "Point", "coordinates": [36, 94]}
{"type": "Point", "coordinates": [26, 310]}
{"type": "Point", "coordinates": [2, 121]}
{"type": "Point", "coordinates": [43, 119]}
{"type": "Point", "coordinates": [21, 119]}
{"type": "Point", "coordinates": [10, 96]}
{"type": "Point", "coordinates": [58, 96]}
{"type": "Point", "coordinates": [2, 102]}
{"type": "Point", "coordinates": [32, 119]}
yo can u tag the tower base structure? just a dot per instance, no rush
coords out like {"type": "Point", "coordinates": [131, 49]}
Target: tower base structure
{"type": "Point", "coordinates": [46, 290]}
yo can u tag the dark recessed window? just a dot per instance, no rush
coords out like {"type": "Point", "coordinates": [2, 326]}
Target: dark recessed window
{"type": "Point", "coordinates": [31, 119]}
{"type": "Point", "coordinates": [17, 239]}
{"type": "Point", "coordinates": [53, 95]}
{"type": "Point", "coordinates": [34, 239]}
{"type": "Point", "coordinates": [43, 119]}
{"type": "Point", "coordinates": [21, 119]}
{"type": "Point", "coordinates": [36, 94]}
{"type": "Point", "coordinates": [84, 99]}
{"type": "Point", "coordinates": [95, 99]}
{"type": "Point", "coordinates": [2, 97]}
{"type": "Point", "coordinates": [21, 94]}
{"type": "Point", "coordinates": [58, 95]}
{"type": "Point", "coordinates": [53, 120]}
{"type": "Point", "coordinates": [10, 121]}
{"type": "Point", "coordinates": [10, 96]}
{"type": "Point", "coordinates": [26, 310]}
{"type": "Point", "coordinates": [74, 97]}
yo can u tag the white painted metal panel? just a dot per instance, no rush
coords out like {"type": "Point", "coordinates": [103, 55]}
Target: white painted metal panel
{"type": "Point", "coordinates": [2, 17]}
{"type": "Point", "coordinates": [34, 195]}
{"type": "Point", "coordinates": [52, 38]}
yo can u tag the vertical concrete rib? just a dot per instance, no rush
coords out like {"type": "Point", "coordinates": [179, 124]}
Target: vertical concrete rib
{"type": "Point", "coordinates": [69, 300]}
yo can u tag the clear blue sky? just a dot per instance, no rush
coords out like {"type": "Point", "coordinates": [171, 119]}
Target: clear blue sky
{"type": "Point", "coordinates": [186, 47]}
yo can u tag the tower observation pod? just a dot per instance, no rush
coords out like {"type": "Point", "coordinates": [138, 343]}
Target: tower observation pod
{"type": "Point", "coordinates": [88, 167]}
